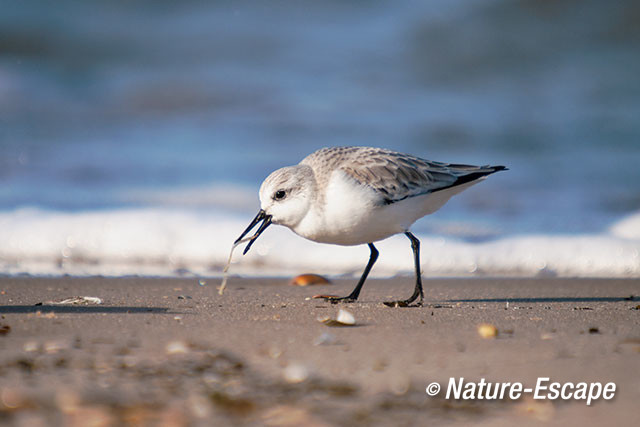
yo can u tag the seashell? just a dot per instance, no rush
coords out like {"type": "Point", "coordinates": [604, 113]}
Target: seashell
{"type": "Point", "coordinates": [344, 318]}
{"type": "Point", "coordinates": [309, 279]}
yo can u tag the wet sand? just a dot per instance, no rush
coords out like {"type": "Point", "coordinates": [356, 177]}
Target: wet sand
{"type": "Point", "coordinates": [173, 352]}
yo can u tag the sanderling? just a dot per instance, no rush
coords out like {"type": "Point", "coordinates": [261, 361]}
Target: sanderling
{"type": "Point", "coordinates": [357, 195]}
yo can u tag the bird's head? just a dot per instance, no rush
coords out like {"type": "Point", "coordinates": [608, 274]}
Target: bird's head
{"type": "Point", "coordinates": [285, 199]}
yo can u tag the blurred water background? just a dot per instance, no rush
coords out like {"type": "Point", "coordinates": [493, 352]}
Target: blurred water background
{"type": "Point", "coordinates": [134, 134]}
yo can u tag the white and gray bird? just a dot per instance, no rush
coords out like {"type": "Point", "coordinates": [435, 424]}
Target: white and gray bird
{"type": "Point", "coordinates": [356, 195]}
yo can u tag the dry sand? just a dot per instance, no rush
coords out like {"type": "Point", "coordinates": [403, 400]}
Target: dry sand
{"type": "Point", "coordinates": [174, 352]}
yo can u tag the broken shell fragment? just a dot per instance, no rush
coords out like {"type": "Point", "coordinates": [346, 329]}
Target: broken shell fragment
{"type": "Point", "coordinates": [396, 304]}
{"type": "Point", "coordinates": [76, 301]}
{"type": "Point", "coordinates": [325, 296]}
{"type": "Point", "coordinates": [487, 330]}
{"type": "Point", "coordinates": [309, 279]}
{"type": "Point", "coordinates": [344, 318]}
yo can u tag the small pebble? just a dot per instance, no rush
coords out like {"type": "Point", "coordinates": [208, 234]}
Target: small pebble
{"type": "Point", "coordinates": [295, 373]}
{"type": "Point", "coordinates": [487, 330]}
{"type": "Point", "coordinates": [30, 346]}
{"type": "Point", "coordinates": [400, 385]}
{"type": "Point", "coordinates": [53, 346]}
{"type": "Point", "coordinates": [176, 347]}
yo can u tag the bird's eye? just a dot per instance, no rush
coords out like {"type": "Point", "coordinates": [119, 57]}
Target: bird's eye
{"type": "Point", "coordinates": [279, 195]}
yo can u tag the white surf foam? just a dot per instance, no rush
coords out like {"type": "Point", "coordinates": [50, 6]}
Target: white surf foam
{"type": "Point", "coordinates": [168, 241]}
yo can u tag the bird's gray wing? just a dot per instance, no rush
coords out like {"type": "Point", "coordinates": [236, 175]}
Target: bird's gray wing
{"type": "Point", "coordinates": [397, 176]}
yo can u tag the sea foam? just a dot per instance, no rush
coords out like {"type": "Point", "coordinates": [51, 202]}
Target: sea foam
{"type": "Point", "coordinates": [169, 242]}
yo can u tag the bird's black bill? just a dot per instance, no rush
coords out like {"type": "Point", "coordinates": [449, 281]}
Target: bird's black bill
{"type": "Point", "coordinates": [266, 221]}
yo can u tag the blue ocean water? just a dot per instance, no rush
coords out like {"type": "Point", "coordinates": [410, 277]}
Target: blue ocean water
{"type": "Point", "coordinates": [107, 106]}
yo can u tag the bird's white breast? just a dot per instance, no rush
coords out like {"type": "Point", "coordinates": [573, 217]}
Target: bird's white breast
{"type": "Point", "coordinates": [349, 213]}
{"type": "Point", "coordinates": [346, 213]}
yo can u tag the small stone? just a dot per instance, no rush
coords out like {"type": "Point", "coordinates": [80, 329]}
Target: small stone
{"type": "Point", "coordinates": [400, 385]}
{"type": "Point", "coordinates": [176, 347]}
{"type": "Point", "coordinates": [53, 347]}
{"type": "Point", "coordinates": [295, 373]}
{"type": "Point", "coordinates": [30, 346]}
{"type": "Point", "coordinates": [487, 330]}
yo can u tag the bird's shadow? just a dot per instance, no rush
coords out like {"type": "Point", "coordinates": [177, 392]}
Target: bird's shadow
{"type": "Point", "coordinates": [8, 309]}
{"type": "Point", "coordinates": [548, 299]}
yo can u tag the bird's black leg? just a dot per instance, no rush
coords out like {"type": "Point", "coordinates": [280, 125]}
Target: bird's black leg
{"type": "Point", "coordinates": [417, 292]}
{"type": "Point", "coordinates": [356, 291]}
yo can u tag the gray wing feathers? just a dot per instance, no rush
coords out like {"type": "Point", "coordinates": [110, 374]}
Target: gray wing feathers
{"type": "Point", "coordinates": [397, 176]}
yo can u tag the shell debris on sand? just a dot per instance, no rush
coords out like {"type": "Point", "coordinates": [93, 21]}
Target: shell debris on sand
{"type": "Point", "coordinates": [75, 301]}
{"type": "Point", "coordinates": [344, 318]}
{"type": "Point", "coordinates": [487, 330]}
{"type": "Point", "coordinates": [309, 279]}
{"type": "Point", "coordinates": [322, 296]}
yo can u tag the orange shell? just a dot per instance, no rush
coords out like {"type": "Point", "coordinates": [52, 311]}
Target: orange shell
{"type": "Point", "coordinates": [309, 279]}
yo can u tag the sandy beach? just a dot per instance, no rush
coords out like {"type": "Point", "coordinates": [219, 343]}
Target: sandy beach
{"type": "Point", "coordinates": [174, 352]}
